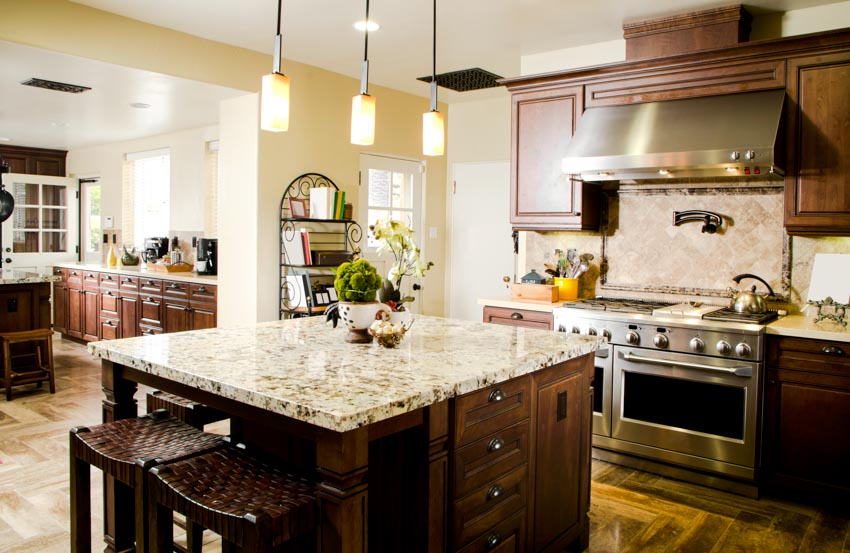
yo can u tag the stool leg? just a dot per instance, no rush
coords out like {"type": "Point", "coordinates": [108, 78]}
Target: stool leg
{"type": "Point", "coordinates": [80, 505]}
{"type": "Point", "coordinates": [38, 363]}
{"type": "Point", "coordinates": [194, 537]}
{"type": "Point", "coordinates": [7, 369]}
{"type": "Point", "coordinates": [50, 372]}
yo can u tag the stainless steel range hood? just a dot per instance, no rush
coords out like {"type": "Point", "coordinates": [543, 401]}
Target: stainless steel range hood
{"type": "Point", "coordinates": [733, 135]}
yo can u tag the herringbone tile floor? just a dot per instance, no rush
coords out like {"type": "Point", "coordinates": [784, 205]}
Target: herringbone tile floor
{"type": "Point", "coordinates": [631, 511]}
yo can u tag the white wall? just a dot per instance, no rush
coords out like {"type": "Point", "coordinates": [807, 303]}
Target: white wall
{"type": "Point", "coordinates": [572, 58]}
{"type": "Point", "coordinates": [187, 173]}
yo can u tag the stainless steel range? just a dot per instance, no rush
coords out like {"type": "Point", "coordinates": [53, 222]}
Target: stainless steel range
{"type": "Point", "coordinates": [680, 385]}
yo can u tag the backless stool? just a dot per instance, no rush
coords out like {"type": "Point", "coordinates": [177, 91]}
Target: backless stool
{"type": "Point", "coordinates": [41, 369]}
{"type": "Point", "coordinates": [253, 505]}
{"type": "Point", "coordinates": [186, 410]}
{"type": "Point", "coordinates": [125, 449]}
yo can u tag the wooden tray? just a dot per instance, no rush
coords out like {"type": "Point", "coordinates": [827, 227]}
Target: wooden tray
{"type": "Point", "coordinates": [537, 292]}
{"type": "Point", "coordinates": [179, 268]}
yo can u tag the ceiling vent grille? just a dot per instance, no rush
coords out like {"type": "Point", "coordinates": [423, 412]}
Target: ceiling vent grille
{"type": "Point", "coordinates": [53, 85]}
{"type": "Point", "coordinates": [465, 79]}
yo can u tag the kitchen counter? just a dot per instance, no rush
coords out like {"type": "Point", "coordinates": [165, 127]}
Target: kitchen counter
{"type": "Point", "coordinates": [303, 369]}
{"type": "Point", "coordinates": [530, 305]}
{"type": "Point", "coordinates": [11, 276]}
{"type": "Point", "coordinates": [800, 326]}
{"type": "Point", "coordinates": [141, 269]}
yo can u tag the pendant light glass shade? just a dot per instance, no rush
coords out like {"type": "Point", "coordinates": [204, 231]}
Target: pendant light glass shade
{"type": "Point", "coordinates": [274, 110]}
{"type": "Point", "coordinates": [363, 120]}
{"type": "Point", "coordinates": [433, 134]}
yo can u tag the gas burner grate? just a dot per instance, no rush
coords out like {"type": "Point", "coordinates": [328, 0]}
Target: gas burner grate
{"type": "Point", "coordinates": [617, 305]}
{"type": "Point", "coordinates": [732, 316]}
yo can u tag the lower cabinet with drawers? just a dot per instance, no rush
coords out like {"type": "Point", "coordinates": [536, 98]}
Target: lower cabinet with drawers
{"type": "Point", "coordinates": [93, 305]}
{"type": "Point", "coordinates": [518, 317]}
{"type": "Point", "coordinates": [520, 463]}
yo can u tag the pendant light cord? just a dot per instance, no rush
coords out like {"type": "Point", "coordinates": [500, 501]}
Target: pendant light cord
{"type": "Point", "coordinates": [277, 29]}
{"type": "Point", "coordinates": [366, 42]}
{"type": "Point", "coordinates": [434, 62]}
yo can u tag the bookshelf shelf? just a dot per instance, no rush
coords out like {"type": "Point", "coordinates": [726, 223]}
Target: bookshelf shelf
{"type": "Point", "coordinates": [310, 248]}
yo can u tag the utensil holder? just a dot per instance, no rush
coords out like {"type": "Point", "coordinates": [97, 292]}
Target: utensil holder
{"type": "Point", "coordinates": [567, 288]}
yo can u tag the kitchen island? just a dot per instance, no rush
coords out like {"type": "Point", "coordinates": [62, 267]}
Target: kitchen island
{"type": "Point", "coordinates": [466, 437]}
{"type": "Point", "coordinates": [24, 303]}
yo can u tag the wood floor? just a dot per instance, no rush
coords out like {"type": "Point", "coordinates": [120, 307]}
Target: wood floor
{"type": "Point", "coordinates": [631, 511]}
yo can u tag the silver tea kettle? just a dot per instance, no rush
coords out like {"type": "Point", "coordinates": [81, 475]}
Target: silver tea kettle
{"type": "Point", "coordinates": [750, 302]}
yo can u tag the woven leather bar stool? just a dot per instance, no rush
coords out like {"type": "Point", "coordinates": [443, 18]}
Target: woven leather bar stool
{"type": "Point", "coordinates": [126, 449]}
{"type": "Point", "coordinates": [39, 371]}
{"type": "Point", "coordinates": [254, 506]}
{"type": "Point", "coordinates": [186, 410]}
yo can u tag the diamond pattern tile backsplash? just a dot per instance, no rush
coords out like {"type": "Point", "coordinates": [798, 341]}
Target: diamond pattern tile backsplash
{"type": "Point", "coordinates": [648, 257]}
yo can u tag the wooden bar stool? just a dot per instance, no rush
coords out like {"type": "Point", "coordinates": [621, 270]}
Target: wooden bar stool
{"type": "Point", "coordinates": [36, 372]}
{"type": "Point", "coordinates": [125, 450]}
{"type": "Point", "coordinates": [253, 505]}
{"type": "Point", "coordinates": [188, 411]}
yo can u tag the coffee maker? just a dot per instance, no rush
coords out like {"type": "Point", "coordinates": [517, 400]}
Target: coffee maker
{"type": "Point", "coordinates": [208, 255]}
{"type": "Point", "coordinates": [155, 248]}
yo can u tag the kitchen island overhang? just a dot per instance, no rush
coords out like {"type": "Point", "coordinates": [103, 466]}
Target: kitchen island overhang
{"type": "Point", "coordinates": [300, 375]}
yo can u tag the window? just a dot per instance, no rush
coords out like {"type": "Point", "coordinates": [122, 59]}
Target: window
{"type": "Point", "coordinates": [390, 187]}
{"type": "Point", "coordinates": [92, 226]}
{"type": "Point", "coordinates": [146, 194]}
{"type": "Point", "coordinates": [40, 218]}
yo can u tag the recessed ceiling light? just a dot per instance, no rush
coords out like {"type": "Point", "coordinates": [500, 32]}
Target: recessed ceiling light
{"type": "Point", "coordinates": [363, 25]}
{"type": "Point", "coordinates": [140, 105]}
{"type": "Point", "coordinates": [60, 124]}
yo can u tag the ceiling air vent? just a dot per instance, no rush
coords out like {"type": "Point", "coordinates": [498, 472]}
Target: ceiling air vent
{"type": "Point", "coordinates": [465, 79]}
{"type": "Point", "coordinates": [53, 85]}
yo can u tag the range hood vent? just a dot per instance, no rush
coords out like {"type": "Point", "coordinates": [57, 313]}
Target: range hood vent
{"type": "Point", "coordinates": [55, 85]}
{"type": "Point", "coordinates": [465, 79]}
{"type": "Point", "coordinates": [733, 136]}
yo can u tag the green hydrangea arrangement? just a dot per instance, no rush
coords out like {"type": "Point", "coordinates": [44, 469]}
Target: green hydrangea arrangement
{"type": "Point", "coordinates": [357, 281]}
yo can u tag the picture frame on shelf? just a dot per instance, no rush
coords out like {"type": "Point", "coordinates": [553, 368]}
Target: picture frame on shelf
{"type": "Point", "coordinates": [298, 208]}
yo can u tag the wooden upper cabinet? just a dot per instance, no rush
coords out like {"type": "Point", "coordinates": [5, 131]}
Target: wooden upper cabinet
{"type": "Point", "coordinates": [35, 161]}
{"type": "Point", "coordinates": [817, 184]}
{"type": "Point", "coordinates": [542, 196]}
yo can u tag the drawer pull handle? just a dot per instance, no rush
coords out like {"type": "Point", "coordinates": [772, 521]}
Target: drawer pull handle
{"type": "Point", "coordinates": [202, 289]}
{"type": "Point", "coordinates": [494, 492]}
{"type": "Point", "coordinates": [174, 286]}
{"type": "Point", "coordinates": [495, 444]}
{"type": "Point", "coordinates": [148, 331]}
{"type": "Point", "coordinates": [516, 316]}
{"type": "Point", "coordinates": [833, 350]}
{"type": "Point", "coordinates": [493, 540]}
{"type": "Point", "coordinates": [497, 395]}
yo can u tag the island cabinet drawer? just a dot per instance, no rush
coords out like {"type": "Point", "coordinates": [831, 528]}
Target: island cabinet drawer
{"type": "Point", "coordinates": [109, 303]}
{"type": "Point", "coordinates": [60, 272]}
{"type": "Point", "coordinates": [518, 317]}
{"type": "Point", "coordinates": [129, 284]}
{"type": "Point", "coordinates": [150, 286]}
{"type": "Point", "coordinates": [108, 328]}
{"type": "Point", "coordinates": [177, 290]}
{"type": "Point", "coordinates": [489, 505]}
{"type": "Point", "coordinates": [74, 279]}
{"type": "Point", "coordinates": [506, 537]}
{"type": "Point", "coordinates": [145, 330]}
{"type": "Point", "coordinates": [202, 293]}
{"type": "Point", "coordinates": [109, 280]}
{"type": "Point", "coordinates": [487, 459]}
{"type": "Point", "coordinates": [486, 411]}
{"type": "Point", "coordinates": [150, 311]}
{"type": "Point", "coordinates": [91, 280]}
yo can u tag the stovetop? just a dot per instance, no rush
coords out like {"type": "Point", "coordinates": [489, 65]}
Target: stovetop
{"type": "Point", "coordinates": [646, 307]}
{"type": "Point", "coordinates": [732, 316]}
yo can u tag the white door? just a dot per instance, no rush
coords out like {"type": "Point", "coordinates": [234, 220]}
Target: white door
{"type": "Point", "coordinates": [481, 244]}
{"type": "Point", "coordinates": [43, 228]}
{"type": "Point", "coordinates": [391, 187]}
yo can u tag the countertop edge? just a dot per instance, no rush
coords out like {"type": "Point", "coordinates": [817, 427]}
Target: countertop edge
{"type": "Point", "coordinates": [801, 326]}
{"type": "Point", "coordinates": [544, 307]}
{"type": "Point", "coordinates": [190, 277]}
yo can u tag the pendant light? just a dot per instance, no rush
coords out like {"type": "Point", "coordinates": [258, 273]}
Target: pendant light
{"type": "Point", "coordinates": [363, 105]}
{"type": "Point", "coordinates": [274, 107]}
{"type": "Point", "coordinates": [433, 124]}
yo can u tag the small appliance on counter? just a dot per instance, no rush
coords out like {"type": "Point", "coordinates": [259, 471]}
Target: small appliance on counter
{"type": "Point", "coordinates": [207, 256]}
{"type": "Point", "coordinates": [155, 248]}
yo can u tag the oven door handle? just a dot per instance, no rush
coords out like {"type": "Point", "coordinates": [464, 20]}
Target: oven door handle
{"type": "Point", "coordinates": [746, 372]}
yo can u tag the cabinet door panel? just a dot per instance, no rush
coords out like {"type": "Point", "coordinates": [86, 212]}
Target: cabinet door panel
{"type": "Point", "coordinates": [129, 316]}
{"type": "Point", "coordinates": [91, 316]}
{"type": "Point", "coordinates": [150, 311]}
{"type": "Point", "coordinates": [203, 316]}
{"type": "Point", "coordinates": [75, 313]}
{"type": "Point", "coordinates": [60, 308]}
{"type": "Point", "coordinates": [177, 316]}
{"type": "Point", "coordinates": [109, 329]}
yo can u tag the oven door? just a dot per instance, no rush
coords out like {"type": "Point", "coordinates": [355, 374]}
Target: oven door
{"type": "Point", "coordinates": [603, 362]}
{"type": "Point", "coordinates": [694, 410]}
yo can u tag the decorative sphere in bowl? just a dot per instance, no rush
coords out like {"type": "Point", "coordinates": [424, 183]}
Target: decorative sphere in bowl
{"type": "Point", "coordinates": [388, 334]}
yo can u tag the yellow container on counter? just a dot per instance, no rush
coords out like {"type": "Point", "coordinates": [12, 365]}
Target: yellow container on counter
{"type": "Point", "coordinates": [567, 288]}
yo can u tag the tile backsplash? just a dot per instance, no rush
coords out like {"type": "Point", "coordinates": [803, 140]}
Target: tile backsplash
{"type": "Point", "coordinates": [639, 253]}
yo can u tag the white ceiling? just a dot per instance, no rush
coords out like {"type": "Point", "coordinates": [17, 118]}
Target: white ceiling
{"type": "Point", "coordinates": [490, 34]}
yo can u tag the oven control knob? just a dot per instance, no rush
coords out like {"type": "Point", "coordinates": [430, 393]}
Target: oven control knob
{"type": "Point", "coordinates": [591, 331]}
{"type": "Point", "coordinates": [606, 334]}
{"type": "Point", "coordinates": [743, 350]}
{"type": "Point", "coordinates": [632, 338]}
{"type": "Point", "coordinates": [561, 328]}
{"type": "Point", "coordinates": [576, 330]}
{"type": "Point", "coordinates": [697, 345]}
{"type": "Point", "coordinates": [660, 341]}
{"type": "Point", "coordinates": [723, 347]}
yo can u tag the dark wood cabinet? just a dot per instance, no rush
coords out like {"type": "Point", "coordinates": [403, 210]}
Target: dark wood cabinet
{"type": "Point", "coordinates": [60, 302]}
{"type": "Point", "coordinates": [806, 409]}
{"type": "Point", "coordinates": [817, 185]}
{"type": "Point", "coordinates": [542, 196]}
{"type": "Point", "coordinates": [35, 161]}
{"type": "Point", "coordinates": [518, 317]}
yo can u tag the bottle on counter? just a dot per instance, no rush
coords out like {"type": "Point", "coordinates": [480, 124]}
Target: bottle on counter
{"type": "Point", "coordinates": [111, 258]}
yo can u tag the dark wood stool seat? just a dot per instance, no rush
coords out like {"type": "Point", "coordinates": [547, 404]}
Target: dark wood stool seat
{"type": "Point", "coordinates": [252, 504]}
{"type": "Point", "coordinates": [41, 368]}
{"type": "Point", "coordinates": [186, 410]}
{"type": "Point", "coordinates": [125, 449]}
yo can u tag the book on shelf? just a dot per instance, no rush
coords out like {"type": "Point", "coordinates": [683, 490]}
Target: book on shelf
{"type": "Point", "coordinates": [293, 248]}
{"type": "Point", "coordinates": [321, 198]}
{"type": "Point", "coordinates": [305, 245]}
{"type": "Point", "coordinates": [297, 290]}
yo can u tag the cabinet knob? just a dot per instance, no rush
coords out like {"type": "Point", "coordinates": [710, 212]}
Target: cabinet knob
{"type": "Point", "coordinates": [202, 289]}
{"type": "Point", "coordinates": [494, 492]}
{"type": "Point", "coordinates": [148, 331]}
{"type": "Point", "coordinates": [493, 540]}
{"type": "Point", "coordinates": [516, 316]}
{"type": "Point", "coordinates": [187, 309]}
{"type": "Point", "coordinates": [497, 395]}
{"type": "Point", "coordinates": [174, 286]}
{"type": "Point", "coordinates": [832, 350]}
{"type": "Point", "coordinates": [495, 444]}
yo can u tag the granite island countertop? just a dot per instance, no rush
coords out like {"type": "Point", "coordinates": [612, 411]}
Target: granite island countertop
{"type": "Point", "coordinates": [141, 270]}
{"type": "Point", "coordinates": [11, 276]}
{"type": "Point", "coordinates": [303, 368]}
